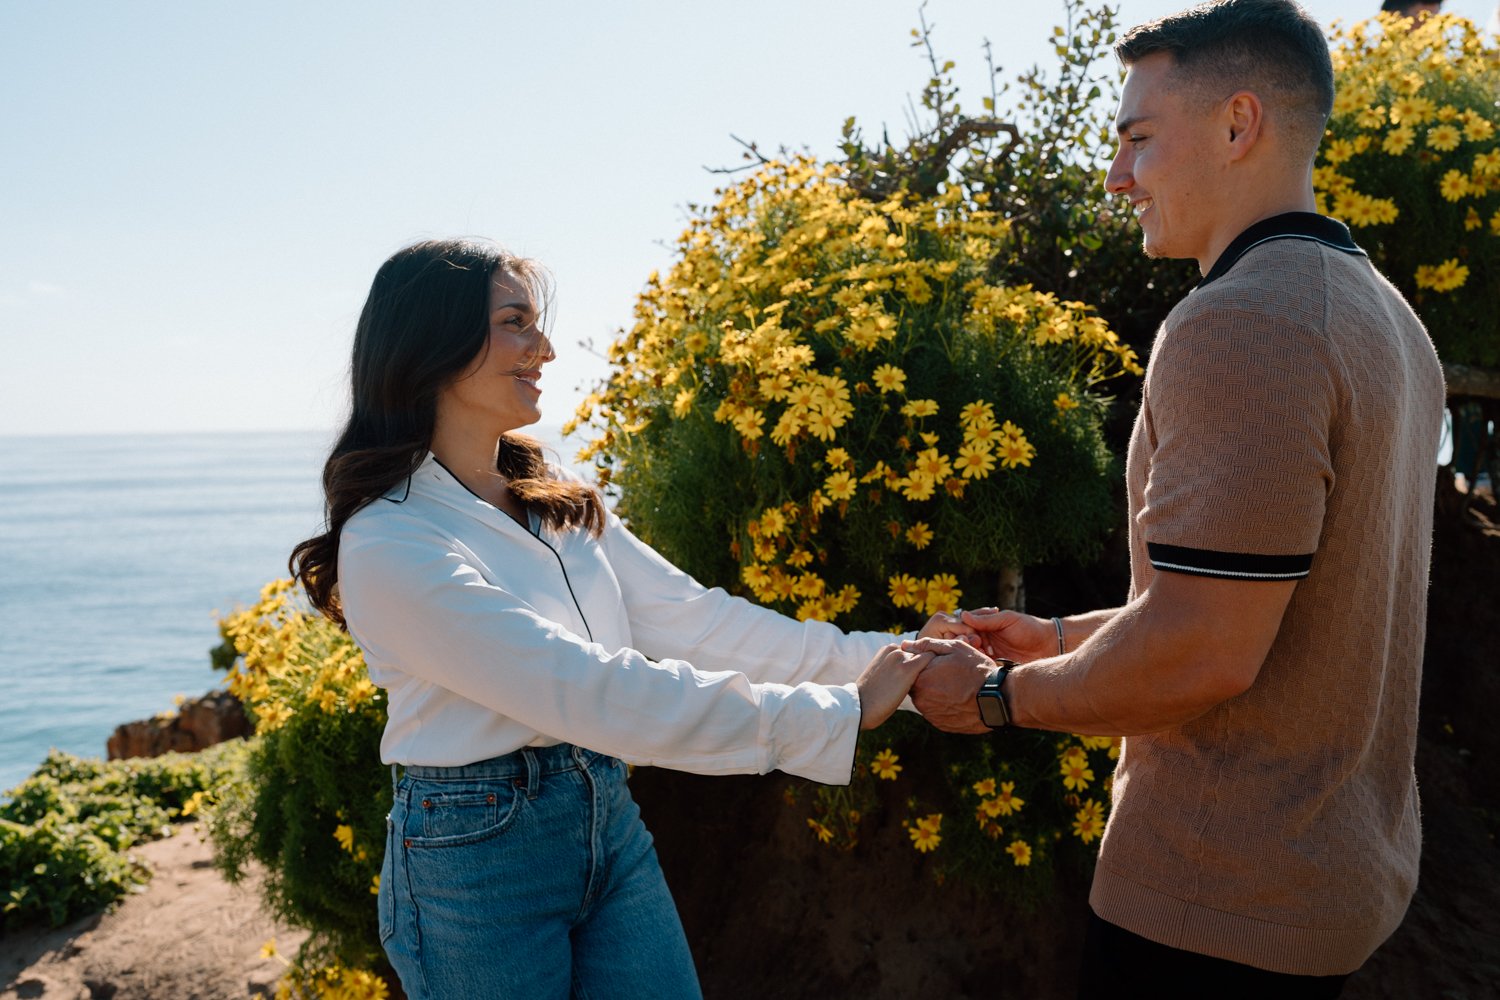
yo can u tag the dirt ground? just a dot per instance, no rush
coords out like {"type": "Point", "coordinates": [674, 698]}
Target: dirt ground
{"type": "Point", "coordinates": [187, 936]}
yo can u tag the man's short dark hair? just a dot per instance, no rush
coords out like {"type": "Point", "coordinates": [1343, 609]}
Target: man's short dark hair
{"type": "Point", "coordinates": [1272, 48]}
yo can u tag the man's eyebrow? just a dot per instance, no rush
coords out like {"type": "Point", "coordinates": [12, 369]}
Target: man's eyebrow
{"type": "Point", "coordinates": [1130, 123]}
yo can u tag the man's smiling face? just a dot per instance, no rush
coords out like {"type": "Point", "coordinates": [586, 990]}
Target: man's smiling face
{"type": "Point", "coordinates": [1165, 161]}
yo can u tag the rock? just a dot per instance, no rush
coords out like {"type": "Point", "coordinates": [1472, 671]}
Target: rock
{"type": "Point", "coordinates": [198, 723]}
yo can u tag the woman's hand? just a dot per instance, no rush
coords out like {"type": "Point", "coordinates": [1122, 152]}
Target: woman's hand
{"type": "Point", "coordinates": [885, 682]}
{"type": "Point", "coordinates": [1010, 635]}
{"type": "Point", "coordinates": [950, 626]}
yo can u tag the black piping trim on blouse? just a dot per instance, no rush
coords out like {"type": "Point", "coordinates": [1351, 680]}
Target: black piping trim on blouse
{"type": "Point", "coordinates": [537, 535]}
{"type": "Point", "coordinates": [1288, 226]}
{"type": "Point", "coordinates": [405, 495]}
{"type": "Point", "coordinates": [1227, 565]}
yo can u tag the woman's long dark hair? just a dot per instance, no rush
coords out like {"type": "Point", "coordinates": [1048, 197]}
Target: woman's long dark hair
{"type": "Point", "coordinates": [426, 319]}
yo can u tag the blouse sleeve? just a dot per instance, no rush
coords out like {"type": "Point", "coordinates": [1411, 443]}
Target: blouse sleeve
{"type": "Point", "coordinates": [415, 601]}
{"type": "Point", "coordinates": [671, 614]}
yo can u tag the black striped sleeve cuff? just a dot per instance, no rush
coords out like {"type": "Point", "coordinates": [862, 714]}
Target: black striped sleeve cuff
{"type": "Point", "coordinates": [1228, 565]}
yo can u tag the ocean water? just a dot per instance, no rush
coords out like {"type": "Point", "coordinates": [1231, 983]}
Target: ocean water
{"type": "Point", "coordinates": [117, 553]}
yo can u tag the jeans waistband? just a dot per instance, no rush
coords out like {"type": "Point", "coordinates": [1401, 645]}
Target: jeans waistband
{"type": "Point", "coordinates": [526, 762]}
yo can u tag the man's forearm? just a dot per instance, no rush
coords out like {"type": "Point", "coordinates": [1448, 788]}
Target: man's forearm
{"type": "Point", "coordinates": [1164, 659]}
{"type": "Point", "coordinates": [1055, 693]}
{"type": "Point", "coordinates": [1078, 628]}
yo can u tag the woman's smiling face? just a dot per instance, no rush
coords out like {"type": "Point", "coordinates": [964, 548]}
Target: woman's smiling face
{"type": "Point", "coordinates": [498, 391]}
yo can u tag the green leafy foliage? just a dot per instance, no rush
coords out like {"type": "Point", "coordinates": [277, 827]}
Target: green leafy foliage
{"type": "Point", "coordinates": [1046, 176]}
{"type": "Point", "coordinates": [310, 803]}
{"type": "Point", "coordinates": [66, 830]}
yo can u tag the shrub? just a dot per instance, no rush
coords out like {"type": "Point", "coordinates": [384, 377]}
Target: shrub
{"type": "Point", "coordinates": [311, 802]}
{"type": "Point", "coordinates": [65, 831]}
{"type": "Point", "coordinates": [836, 386]}
{"type": "Point", "coordinates": [1412, 163]}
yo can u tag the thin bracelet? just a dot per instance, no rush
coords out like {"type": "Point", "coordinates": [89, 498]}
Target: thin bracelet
{"type": "Point", "coordinates": [1062, 647]}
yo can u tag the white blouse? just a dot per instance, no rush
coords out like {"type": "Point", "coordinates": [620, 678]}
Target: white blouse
{"type": "Point", "coordinates": [489, 638]}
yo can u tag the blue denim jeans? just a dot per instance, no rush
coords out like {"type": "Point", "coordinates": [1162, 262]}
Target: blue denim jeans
{"type": "Point", "coordinates": [528, 876]}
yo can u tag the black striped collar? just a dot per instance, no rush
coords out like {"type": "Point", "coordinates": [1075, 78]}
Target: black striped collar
{"type": "Point", "coordinates": [1288, 226]}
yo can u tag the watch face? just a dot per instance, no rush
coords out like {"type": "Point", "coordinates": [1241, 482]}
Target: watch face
{"type": "Point", "coordinates": [992, 709]}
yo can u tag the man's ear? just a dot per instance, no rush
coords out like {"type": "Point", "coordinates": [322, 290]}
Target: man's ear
{"type": "Point", "coordinates": [1244, 117]}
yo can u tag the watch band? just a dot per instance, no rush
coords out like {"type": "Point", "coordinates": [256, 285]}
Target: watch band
{"type": "Point", "coordinates": [993, 710]}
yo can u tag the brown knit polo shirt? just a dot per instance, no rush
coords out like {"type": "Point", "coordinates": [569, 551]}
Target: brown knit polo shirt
{"type": "Point", "coordinates": [1292, 413]}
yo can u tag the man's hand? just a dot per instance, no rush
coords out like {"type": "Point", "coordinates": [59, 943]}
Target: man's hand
{"type": "Point", "coordinates": [885, 683]}
{"type": "Point", "coordinates": [945, 692]}
{"type": "Point", "coordinates": [945, 626]}
{"type": "Point", "coordinates": [1010, 635]}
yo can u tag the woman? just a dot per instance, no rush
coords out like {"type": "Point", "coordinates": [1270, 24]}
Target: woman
{"type": "Point", "coordinates": [529, 643]}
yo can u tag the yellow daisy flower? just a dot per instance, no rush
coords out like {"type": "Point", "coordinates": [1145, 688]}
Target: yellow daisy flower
{"type": "Point", "coordinates": [884, 765]}
{"type": "Point", "coordinates": [839, 486]}
{"type": "Point", "coordinates": [1088, 822]}
{"type": "Point", "coordinates": [924, 834]}
{"type": "Point", "coordinates": [920, 408]}
{"type": "Point", "coordinates": [1008, 801]}
{"type": "Point", "coordinates": [1454, 185]}
{"type": "Point", "coordinates": [903, 590]}
{"type": "Point", "coordinates": [889, 378]}
{"type": "Point", "coordinates": [1076, 773]}
{"type": "Point", "coordinates": [1443, 137]}
{"type": "Point", "coordinates": [975, 461]}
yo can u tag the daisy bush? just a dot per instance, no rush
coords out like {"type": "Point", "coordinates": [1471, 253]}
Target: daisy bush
{"type": "Point", "coordinates": [835, 405]}
{"type": "Point", "coordinates": [1412, 164]}
{"type": "Point", "coordinates": [869, 389]}
{"type": "Point", "coordinates": [310, 803]}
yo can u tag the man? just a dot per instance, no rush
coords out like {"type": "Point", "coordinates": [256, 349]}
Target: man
{"type": "Point", "coordinates": [1264, 833]}
{"type": "Point", "coordinates": [1414, 9]}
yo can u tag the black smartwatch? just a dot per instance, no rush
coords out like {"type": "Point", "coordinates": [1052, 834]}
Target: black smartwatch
{"type": "Point", "coordinates": [993, 711]}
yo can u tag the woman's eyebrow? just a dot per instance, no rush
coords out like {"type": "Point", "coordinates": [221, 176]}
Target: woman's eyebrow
{"type": "Point", "coordinates": [522, 306]}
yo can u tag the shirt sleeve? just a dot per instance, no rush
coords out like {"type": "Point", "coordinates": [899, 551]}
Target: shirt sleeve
{"type": "Point", "coordinates": [1239, 412]}
{"type": "Point", "coordinates": [672, 615]}
{"type": "Point", "coordinates": [416, 602]}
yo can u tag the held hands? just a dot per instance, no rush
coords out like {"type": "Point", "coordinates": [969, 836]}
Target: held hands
{"type": "Point", "coordinates": [941, 675]}
{"type": "Point", "coordinates": [947, 687]}
{"type": "Point", "coordinates": [886, 682]}
{"type": "Point", "coordinates": [945, 665]}
{"type": "Point", "coordinates": [950, 626]}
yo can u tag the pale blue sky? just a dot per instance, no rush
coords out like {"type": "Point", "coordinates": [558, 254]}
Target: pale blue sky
{"type": "Point", "coordinates": [194, 196]}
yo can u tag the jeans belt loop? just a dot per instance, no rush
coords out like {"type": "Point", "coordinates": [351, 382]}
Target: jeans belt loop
{"type": "Point", "coordinates": [533, 772]}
